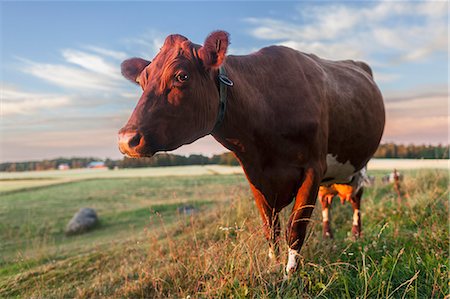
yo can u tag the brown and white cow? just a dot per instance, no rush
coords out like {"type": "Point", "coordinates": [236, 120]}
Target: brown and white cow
{"type": "Point", "coordinates": [294, 121]}
{"type": "Point", "coordinates": [350, 192]}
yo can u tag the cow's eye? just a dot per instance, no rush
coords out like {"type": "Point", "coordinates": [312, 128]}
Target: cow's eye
{"type": "Point", "coordinates": [182, 77]}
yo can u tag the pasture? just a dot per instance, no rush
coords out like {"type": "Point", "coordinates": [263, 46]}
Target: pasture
{"type": "Point", "coordinates": [146, 247]}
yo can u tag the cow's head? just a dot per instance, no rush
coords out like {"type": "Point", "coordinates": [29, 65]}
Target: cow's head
{"type": "Point", "coordinates": [179, 103]}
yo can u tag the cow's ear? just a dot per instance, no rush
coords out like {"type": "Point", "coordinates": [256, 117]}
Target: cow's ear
{"type": "Point", "coordinates": [132, 68]}
{"type": "Point", "coordinates": [214, 50]}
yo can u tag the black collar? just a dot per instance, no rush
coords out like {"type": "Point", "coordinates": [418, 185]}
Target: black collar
{"type": "Point", "coordinates": [224, 82]}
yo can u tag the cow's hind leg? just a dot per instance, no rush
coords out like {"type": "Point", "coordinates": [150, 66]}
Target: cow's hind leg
{"type": "Point", "coordinates": [356, 205]}
{"type": "Point", "coordinates": [326, 209]}
{"type": "Point", "coordinates": [271, 223]}
{"type": "Point", "coordinates": [300, 216]}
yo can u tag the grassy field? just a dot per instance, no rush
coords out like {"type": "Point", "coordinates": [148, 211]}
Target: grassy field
{"type": "Point", "coordinates": [144, 247]}
{"type": "Point", "coordinates": [14, 181]}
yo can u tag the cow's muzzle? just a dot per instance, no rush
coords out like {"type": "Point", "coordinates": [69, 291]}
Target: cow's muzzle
{"type": "Point", "coordinates": [132, 143]}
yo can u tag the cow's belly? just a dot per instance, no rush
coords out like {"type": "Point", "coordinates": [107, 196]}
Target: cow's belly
{"type": "Point", "coordinates": [337, 172]}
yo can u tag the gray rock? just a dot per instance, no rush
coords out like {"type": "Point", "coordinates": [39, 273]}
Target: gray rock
{"type": "Point", "coordinates": [187, 209]}
{"type": "Point", "coordinates": [84, 220]}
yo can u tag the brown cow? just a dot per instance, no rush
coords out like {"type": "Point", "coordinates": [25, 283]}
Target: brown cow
{"type": "Point", "coordinates": [292, 119]}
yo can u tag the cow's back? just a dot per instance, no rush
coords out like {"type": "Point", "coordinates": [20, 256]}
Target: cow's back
{"type": "Point", "coordinates": [297, 90]}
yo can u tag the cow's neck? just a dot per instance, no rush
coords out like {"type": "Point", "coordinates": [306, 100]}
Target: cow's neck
{"type": "Point", "coordinates": [237, 131]}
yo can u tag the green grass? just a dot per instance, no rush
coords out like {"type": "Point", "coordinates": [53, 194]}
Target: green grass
{"type": "Point", "coordinates": [145, 248]}
{"type": "Point", "coordinates": [30, 180]}
{"type": "Point", "coordinates": [31, 218]}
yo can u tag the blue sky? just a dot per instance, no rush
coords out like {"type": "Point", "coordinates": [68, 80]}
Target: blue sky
{"type": "Point", "coordinates": [63, 95]}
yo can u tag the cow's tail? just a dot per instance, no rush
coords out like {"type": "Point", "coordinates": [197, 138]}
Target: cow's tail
{"type": "Point", "coordinates": [365, 67]}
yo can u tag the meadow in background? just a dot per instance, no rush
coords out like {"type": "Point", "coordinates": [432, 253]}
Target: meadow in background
{"type": "Point", "coordinates": [146, 247]}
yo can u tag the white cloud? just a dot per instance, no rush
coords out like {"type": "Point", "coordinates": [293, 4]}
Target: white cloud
{"type": "Point", "coordinates": [413, 42]}
{"type": "Point", "coordinates": [94, 69]}
{"type": "Point", "coordinates": [67, 76]}
{"type": "Point", "coordinates": [146, 45]}
{"type": "Point", "coordinates": [93, 63]}
{"type": "Point", "coordinates": [91, 106]}
{"type": "Point", "coordinates": [107, 52]}
{"type": "Point", "coordinates": [385, 77]}
{"type": "Point", "coordinates": [327, 49]}
{"type": "Point", "coordinates": [16, 102]}
{"type": "Point", "coordinates": [131, 95]}
{"type": "Point", "coordinates": [232, 50]}
{"type": "Point", "coordinates": [407, 31]}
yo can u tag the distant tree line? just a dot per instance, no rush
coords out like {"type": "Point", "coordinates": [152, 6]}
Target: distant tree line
{"type": "Point", "coordinates": [387, 150]}
{"type": "Point", "coordinates": [46, 164]}
{"type": "Point", "coordinates": [411, 151]}
{"type": "Point", "coordinates": [165, 159]}
{"type": "Point", "coordinates": [162, 159]}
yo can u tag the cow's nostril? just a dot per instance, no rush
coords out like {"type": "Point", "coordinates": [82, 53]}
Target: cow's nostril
{"type": "Point", "coordinates": [135, 140]}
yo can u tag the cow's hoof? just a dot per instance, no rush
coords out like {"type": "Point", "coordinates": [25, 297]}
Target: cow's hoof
{"type": "Point", "coordinates": [274, 252]}
{"type": "Point", "coordinates": [273, 256]}
{"type": "Point", "coordinates": [327, 235]}
{"type": "Point", "coordinates": [292, 263]}
{"type": "Point", "coordinates": [356, 231]}
{"type": "Point", "coordinates": [275, 268]}
{"type": "Point", "coordinates": [327, 231]}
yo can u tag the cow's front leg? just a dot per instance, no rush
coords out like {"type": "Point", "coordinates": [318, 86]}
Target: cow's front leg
{"type": "Point", "coordinates": [299, 219]}
{"type": "Point", "coordinates": [356, 205]}
{"type": "Point", "coordinates": [271, 223]}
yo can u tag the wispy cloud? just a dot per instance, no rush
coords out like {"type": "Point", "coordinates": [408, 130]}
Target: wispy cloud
{"type": "Point", "coordinates": [385, 77]}
{"type": "Point", "coordinates": [67, 76]}
{"type": "Point", "coordinates": [117, 55]}
{"type": "Point", "coordinates": [345, 31]}
{"type": "Point", "coordinates": [17, 102]}
{"type": "Point", "coordinates": [147, 44]}
{"type": "Point", "coordinates": [92, 102]}
{"type": "Point", "coordinates": [418, 91]}
{"type": "Point", "coordinates": [94, 63]}
{"type": "Point", "coordinates": [341, 50]}
{"type": "Point", "coordinates": [93, 69]}
{"type": "Point", "coordinates": [386, 34]}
